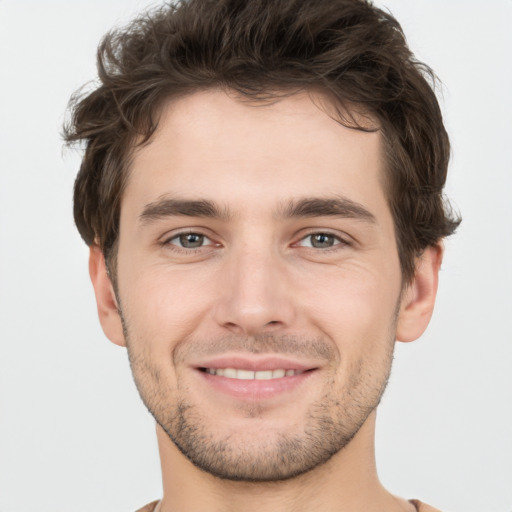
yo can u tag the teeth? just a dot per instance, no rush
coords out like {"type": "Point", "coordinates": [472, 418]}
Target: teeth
{"type": "Point", "coordinates": [233, 373]}
{"type": "Point", "coordinates": [230, 373]}
{"type": "Point", "coordinates": [242, 374]}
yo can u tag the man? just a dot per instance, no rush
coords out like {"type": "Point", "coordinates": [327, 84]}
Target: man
{"type": "Point", "coordinates": [261, 192]}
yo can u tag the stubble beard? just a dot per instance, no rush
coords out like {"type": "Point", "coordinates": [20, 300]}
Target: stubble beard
{"type": "Point", "coordinates": [329, 425]}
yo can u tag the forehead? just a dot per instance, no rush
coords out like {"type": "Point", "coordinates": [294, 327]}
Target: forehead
{"type": "Point", "coordinates": [216, 145]}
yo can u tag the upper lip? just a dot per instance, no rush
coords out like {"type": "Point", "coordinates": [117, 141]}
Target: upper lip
{"type": "Point", "coordinates": [254, 364]}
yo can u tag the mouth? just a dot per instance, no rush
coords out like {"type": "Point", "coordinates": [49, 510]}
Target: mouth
{"type": "Point", "coordinates": [254, 379]}
{"type": "Point", "coordinates": [240, 374]}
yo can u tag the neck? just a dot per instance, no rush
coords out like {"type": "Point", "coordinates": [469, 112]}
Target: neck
{"type": "Point", "coordinates": [347, 482]}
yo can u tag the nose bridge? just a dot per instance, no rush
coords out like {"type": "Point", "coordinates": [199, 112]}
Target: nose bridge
{"type": "Point", "coordinates": [254, 296]}
{"type": "Point", "coordinates": [254, 270]}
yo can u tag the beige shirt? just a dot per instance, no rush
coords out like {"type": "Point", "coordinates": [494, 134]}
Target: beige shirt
{"type": "Point", "coordinates": [150, 507]}
{"type": "Point", "coordinates": [420, 507]}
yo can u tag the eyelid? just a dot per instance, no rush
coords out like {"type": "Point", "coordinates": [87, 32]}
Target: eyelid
{"type": "Point", "coordinates": [169, 236]}
{"type": "Point", "coordinates": [166, 239]}
{"type": "Point", "coordinates": [342, 239]}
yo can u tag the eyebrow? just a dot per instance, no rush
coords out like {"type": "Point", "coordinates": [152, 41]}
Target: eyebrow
{"type": "Point", "coordinates": [327, 207]}
{"type": "Point", "coordinates": [167, 207]}
{"type": "Point", "coordinates": [303, 208]}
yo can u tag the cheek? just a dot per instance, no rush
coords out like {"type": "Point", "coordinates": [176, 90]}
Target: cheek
{"type": "Point", "coordinates": [164, 306]}
{"type": "Point", "coordinates": [355, 306]}
{"type": "Point", "coordinates": [356, 312]}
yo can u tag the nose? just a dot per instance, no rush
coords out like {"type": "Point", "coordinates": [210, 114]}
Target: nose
{"type": "Point", "coordinates": [255, 293]}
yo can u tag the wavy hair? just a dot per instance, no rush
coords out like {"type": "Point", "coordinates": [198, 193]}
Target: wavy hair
{"type": "Point", "coordinates": [354, 52]}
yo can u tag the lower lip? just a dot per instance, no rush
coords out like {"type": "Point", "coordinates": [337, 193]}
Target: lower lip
{"type": "Point", "coordinates": [255, 389]}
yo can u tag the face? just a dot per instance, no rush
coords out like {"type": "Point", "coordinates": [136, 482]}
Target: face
{"type": "Point", "coordinates": [258, 281]}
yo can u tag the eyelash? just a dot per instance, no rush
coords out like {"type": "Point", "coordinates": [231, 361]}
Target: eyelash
{"type": "Point", "coordinates": [175, 247]}
{"type": "Point", "coordinates": [339, 242]}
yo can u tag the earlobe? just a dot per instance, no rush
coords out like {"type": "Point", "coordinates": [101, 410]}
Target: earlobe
{"type": "Point", "coordinates": [108, 313]}
{"type": "Point", "coordinates": [418, 299]}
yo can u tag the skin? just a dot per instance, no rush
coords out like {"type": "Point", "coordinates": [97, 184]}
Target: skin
{"type": "Point", "coordinates": [321, 289]}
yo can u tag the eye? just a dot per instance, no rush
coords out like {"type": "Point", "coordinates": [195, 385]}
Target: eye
{"type": "Point", "coordinates": [320, 241]}
{"type": "Point", "coordinates": [190, 240]}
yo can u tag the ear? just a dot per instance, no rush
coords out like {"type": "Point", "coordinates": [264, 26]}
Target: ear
{"type": "Point", "coordinates": [106, 302]}
{"type": "Point", "coordinates": [419, 297]}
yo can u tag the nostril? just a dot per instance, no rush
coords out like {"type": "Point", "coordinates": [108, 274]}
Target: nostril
{"type": "Point", "coordinates": [273, 323]}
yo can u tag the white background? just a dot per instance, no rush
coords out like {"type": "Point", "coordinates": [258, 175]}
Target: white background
{"type": "Point", "coordinates": [74, 435]}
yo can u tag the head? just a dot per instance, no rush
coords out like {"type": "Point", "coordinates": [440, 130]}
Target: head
{"type": "Point", "coordinates": [324, 94]}
{"type": "Point", "coordinates": [351, 51]}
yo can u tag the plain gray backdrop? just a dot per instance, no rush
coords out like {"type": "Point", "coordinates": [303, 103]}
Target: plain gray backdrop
{"type": "Point", "coordinates": [74, 435]}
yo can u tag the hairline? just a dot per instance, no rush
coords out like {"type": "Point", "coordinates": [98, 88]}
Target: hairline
{"type": "Point", "coordinates": [346, 113]}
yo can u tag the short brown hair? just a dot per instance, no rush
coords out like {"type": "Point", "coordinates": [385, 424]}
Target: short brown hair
{"type": "Point", "coordinates": [351, 50]}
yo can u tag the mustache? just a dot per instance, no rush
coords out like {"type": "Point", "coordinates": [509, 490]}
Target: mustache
{"type": "Point", "coordinates": [267, 343]}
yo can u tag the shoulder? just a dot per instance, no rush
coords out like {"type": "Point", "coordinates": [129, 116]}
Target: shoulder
{"type": "Point", "coordinates": [423, 507]}
{"type": "Point", "coordinates": [150, 507]}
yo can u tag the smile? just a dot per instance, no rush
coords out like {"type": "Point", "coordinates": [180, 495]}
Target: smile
{"type": "Point", "coordinates": [234, 373]}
